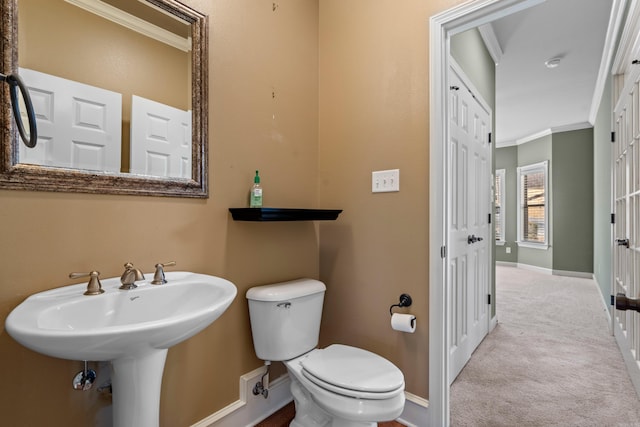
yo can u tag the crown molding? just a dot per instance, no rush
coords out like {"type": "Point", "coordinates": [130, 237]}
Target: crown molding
{"type": "Point", "coordinates": [133, 23]}
{"type": "Point", "coordinates": [546, 132]}
{"type": "Point", "coordinates": [616, 19]}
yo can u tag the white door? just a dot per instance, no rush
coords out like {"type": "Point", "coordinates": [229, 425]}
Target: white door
{"type": "Point", "coordinates": [469, 237]}
{"type": "Point", "coordinates": [626, 258]}
{"type": "Point", "coordinates": [160, 139]}
{"type": "Point", "coordinates": [79, 126]}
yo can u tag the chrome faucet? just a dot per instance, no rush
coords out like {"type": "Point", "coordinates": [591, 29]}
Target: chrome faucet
{"type": "Point", "coordinates": [130, 276]}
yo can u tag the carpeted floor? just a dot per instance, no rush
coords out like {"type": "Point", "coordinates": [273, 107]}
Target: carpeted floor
{"type": "Point", "coordinates": [551, 361]}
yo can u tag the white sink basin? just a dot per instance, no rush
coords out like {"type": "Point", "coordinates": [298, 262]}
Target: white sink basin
{"type": "Point", "coordinates": [65, 323]}
{"type": "Point", "coordinates": [131, 328]}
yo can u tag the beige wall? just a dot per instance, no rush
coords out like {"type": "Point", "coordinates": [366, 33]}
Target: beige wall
{"type": "Point", "coordinates": [351, 96]}
{"type": "Point", "coordinates": [253, 51]}
{"type": "Point", "coordinates": [374, 98]}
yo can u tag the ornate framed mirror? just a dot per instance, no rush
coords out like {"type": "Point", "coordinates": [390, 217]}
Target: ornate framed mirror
{"type": "Point", "coordinates": [34, 170]}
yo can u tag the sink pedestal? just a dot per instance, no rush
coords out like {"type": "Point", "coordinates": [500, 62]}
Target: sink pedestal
{"type": "Point", "coordinates": [136, 382]}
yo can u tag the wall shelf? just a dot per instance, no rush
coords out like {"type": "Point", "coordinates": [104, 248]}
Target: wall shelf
{"type": "Point", "coordinates": [283, 214]}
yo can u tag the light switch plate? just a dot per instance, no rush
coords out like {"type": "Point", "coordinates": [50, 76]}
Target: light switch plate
{"type": "Point", "coordinates": [385, 181]}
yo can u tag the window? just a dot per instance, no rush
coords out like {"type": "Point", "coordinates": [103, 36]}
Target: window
{"type": "Point", "coordinates": [499, 206]}
{"type": "Point", "coordinates": [533, 208]}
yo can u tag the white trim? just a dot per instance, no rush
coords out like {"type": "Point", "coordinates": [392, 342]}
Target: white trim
{"type": "Point", "coordinates": [613, 28]}
{"type": "Point", "coordinates": [606, 304]}
{"type": "Point", "coordinates": [545, 132]}
{"type": "Point", "coordinates": [507, 264]}
{"type": "Point", "coordinates": [441, 27]}
{"type": "Point", "coordinates": [493, 323]}
{"type": "Point", "coordinates": [502, 173]}
{"type": "Point", "coordinates": [633, 366]}
{"type": "Point", "coordinates": [525, 170]}
{"type": "Point", "coordinates": [567, 273]}
{"type": "Point", "coordinates": [530, 245]}
{"type": "Point", "coordinates": [416, 411]}
{"type": "Point", "coordinates": [133, 23]}
{"type": "Point", "coordinates": [549, 271]}
{"type": "Point", "coordinates": [249, 410]}
{"type": "Point", "coordinates": [628, 40]}
{"type": "Point", "coordinates": [491, 42]}
{"type": "Point", "coordinates": [535, 268]}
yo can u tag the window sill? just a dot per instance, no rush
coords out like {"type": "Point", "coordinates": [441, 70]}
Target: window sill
{"type": "Point", "coordinates": [542, 246]}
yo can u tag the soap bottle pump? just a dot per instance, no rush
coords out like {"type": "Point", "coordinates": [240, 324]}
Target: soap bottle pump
{"type": "Point", "coordinates": [255, 197]}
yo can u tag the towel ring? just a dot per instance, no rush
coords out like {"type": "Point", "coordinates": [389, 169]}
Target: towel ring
{"type": "Point", "coordinates": [15, 82]}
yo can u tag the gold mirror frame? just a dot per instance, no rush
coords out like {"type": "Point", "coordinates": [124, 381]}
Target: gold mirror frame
{"type": "Point", "coordinates": [16, 176]}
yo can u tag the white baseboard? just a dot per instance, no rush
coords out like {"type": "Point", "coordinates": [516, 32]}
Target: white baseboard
{"type": "Point", "coordinates": [493, 323]}
{"type": "Point", "coordinates": [544, 270]}
{"type": "Point", "coordinates": [416, 411]}
{"type": "Point", "coordinates": [530, 267]}
{"type": "Point", "coordinates": [579, 274]}
{"type": "Point", "coordinates": [249, 410]}
{"type": "Point", "coordinates": [606, 304]}
{"type": "Point", "coordinates": [633, 366]}
{"type": "Point", "coordinates": [507, 264]}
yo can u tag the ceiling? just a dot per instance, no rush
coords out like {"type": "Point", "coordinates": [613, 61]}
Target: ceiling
{"type": "Point", "coordinates": [531, 99]}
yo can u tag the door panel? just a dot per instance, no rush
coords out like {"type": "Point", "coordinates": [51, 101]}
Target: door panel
{"type": "Point", "coordinates": [160, 139]}
{"type": "Point", "coordinates": [468, 227]}
{"type": "Point", "coordinates": [79, 126]}
{"type": "Point", "coordinates": [626, 252]}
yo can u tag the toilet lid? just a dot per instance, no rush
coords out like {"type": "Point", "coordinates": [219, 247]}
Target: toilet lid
{"type": "Point", "coordinates": [350, 368]}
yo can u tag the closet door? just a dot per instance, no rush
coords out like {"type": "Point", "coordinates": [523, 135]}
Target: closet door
{"type": "Point", "coordinates": [626, 247]}
{"type": "Point", "coordinates": [469, 203]}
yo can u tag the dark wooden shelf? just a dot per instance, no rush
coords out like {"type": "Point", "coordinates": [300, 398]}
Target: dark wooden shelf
{"type": "Point", "coordinates": [283, 214]}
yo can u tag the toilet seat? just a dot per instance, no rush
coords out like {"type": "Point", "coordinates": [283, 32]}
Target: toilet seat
{"type": "Point", "coordinates": [353, 372]}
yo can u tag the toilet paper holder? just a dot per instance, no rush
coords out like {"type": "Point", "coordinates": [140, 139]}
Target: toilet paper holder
{"type": "Point", "coordinates": [405, 301]}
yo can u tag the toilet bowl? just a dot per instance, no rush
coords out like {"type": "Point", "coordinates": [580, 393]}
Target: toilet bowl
{"type": "Point", "coordinates": [338, 386]}
{"type": "Point", "coordinates": [351, 386]}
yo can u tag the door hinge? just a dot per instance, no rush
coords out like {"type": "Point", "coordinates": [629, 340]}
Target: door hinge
{"type": "Point", "coordinates": [489, 137]}
{"type": "Point", "coordinates": [613, 137]}
{"type": "Point", "coordinates": [443, 252]}
{"type": "Point", "coordinates": [489, 299]}
{"type": "Point", "coordinates": [613, 300]}
{"type": "Point", "coordinates": [613, 218]}
{"type": "Point", "coordinates": [489, 218]}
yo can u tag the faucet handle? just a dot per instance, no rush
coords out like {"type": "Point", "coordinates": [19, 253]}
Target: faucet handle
{"type": "Point", "coordinates": [158, 277]}
{"type": "Point", "coordinates": [94, 287]}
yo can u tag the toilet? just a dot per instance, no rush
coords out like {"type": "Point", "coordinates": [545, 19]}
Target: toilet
{"type": "Point", "coordinates": [337, 386]}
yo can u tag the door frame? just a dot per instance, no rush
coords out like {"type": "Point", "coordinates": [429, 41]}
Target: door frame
{"type": "Point", "coordinates": [442, 27]}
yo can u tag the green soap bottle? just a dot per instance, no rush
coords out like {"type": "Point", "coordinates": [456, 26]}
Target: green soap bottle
{"type": "Point", "coordinates": [255, 197]}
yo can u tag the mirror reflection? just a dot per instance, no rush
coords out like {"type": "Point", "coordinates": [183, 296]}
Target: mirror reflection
{"type": "Point", "coordinates": [116, 97]}
{"type": "Point", "coordinates": [155, 61]}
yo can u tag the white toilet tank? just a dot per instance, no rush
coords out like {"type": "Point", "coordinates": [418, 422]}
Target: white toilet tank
{"type": "Point", "coordinates": [285, 318]}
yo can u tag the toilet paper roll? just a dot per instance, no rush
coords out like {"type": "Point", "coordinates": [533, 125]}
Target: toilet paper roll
{"type": "Point", "coordinates": [403, 322]}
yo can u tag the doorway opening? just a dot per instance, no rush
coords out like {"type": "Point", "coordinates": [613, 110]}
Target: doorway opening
{"type": "Point", "coordinates": [442, 28]}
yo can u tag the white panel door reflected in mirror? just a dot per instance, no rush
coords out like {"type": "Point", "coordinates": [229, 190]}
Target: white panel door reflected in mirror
{"type": "Point", "coordinates": [80, 126]}
{"type": "Point", "coordinates": [161, 139]}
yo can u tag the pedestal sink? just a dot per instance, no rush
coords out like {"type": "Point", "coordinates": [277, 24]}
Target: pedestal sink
{"type": "Point", "coordinates": [130, 328]}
